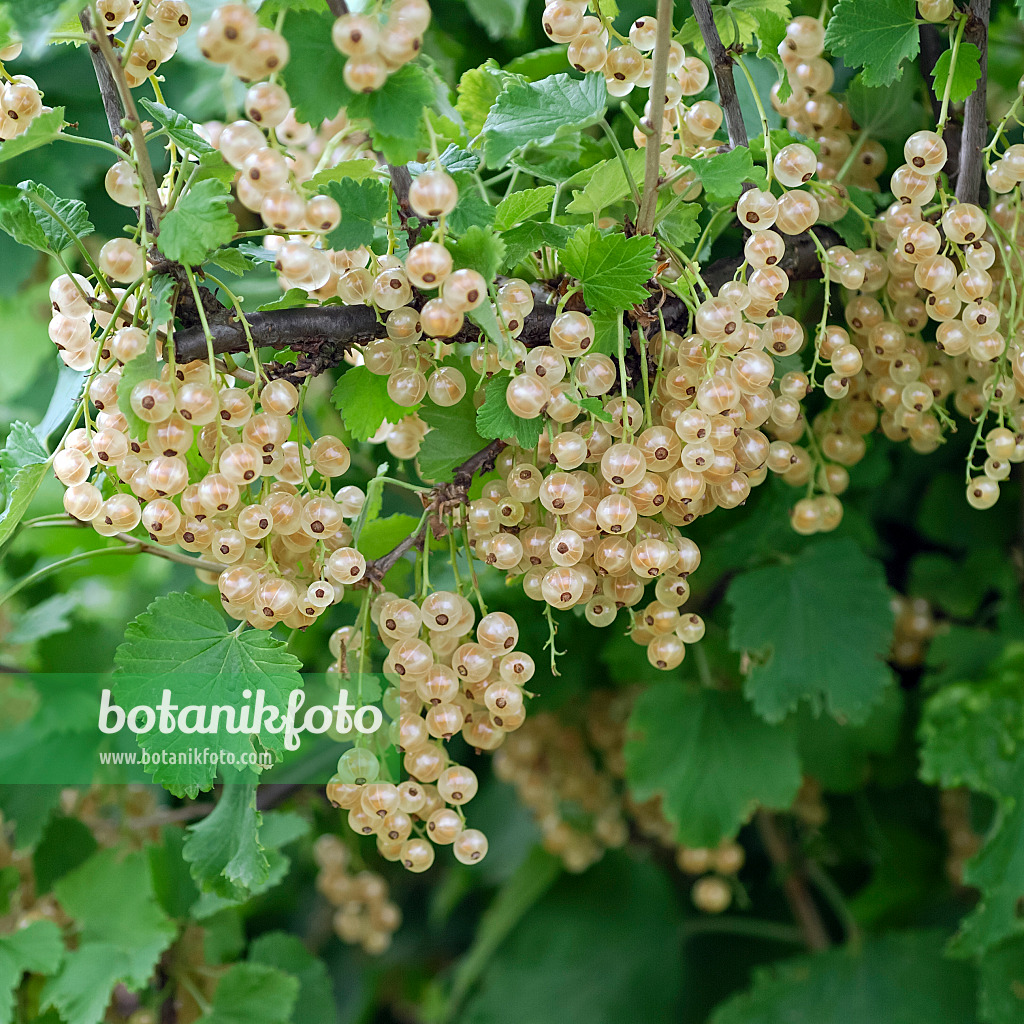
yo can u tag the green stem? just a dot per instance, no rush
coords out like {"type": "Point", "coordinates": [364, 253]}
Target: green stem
{"type": "Point", "coordinates": [202, 318]}
{"type": "Point", "coordinates": [848, 162]}
{"type": "Point", "coordinates": [621, 157]}
{"type": "Point", "coordinates": [81, 140]}
{"type": "Point", "coordinates": [761, 113]}
{"type": "Point", "coordinates": [773, 931]}
{"type": "Point", "coordinates": [953, 50]}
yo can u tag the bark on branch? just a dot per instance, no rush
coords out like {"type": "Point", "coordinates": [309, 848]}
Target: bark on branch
{"type": "Point", "coordinates": [721, 65]}
{"type": "Point", "coordinates": [975, 130]}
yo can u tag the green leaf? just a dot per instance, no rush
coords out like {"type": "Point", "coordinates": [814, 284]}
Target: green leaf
{"type": "Point", "coordinates": [19, 221]}
{"type": "Point", "coordinates": [724, 174]}
{"type": "Point", "coordinates": [899, 978]}
{"type": "Point", "coordinates": [71, 220]}
{"type": "Point", "coordinates": [477, 91]}
{"type": "Point", "coordinates": [888, 112]}
{"type": "Point", "coordinates": [736, 24]}
{"type": "Point", "coordinates": [479, 249]}
{"type": "Point", "coordinates": [965, 74]}
{"type": "Point", "coordinates": [37, 948]}
{"type": "Point", "coordinates": [453, 438]}
{"type": "Point", "coordinates": [1001, 981]}
{"type": "Point", "coordinates": [363, 205]}
{"type": "Point", "coordinates": [839, 756]}
{"type": "Point", "coordinates": [820, 627]}
{"type": "Point", "coordinates": [121, 933]}
{"type": "Point", "coordinates": [607, 185]}
{"type": "Point", "coordinates": [395, 113]}
{"type": "Point", "coordinates": [595, 407]}
{"type": "Point", "coordinates": [613, 269]}
{"type": "Point", "coordinates": [44, 619]}
{"type": "Point", "coordinates": [471, 210]}
{"type": "Point", "coordinates": [199, 223]}
{"type": "Point", "coordinates": [356, 170]}
{"type": "Point", "coordinates": [537, 113]}
{"type": "Point", "coordinates": [527, 884]}
{"type": "Point", "coordinates": [501, 18]}
{"type": "Point", "coordinates": [253, 994]}
{"type": "Point", "coordinates": [710, 760]}
{"type": "Point", "coordinates": [313, 74]}
{"type": "Point", "coordinates": [877, 35]}
{"type": "Point", "coordinates": [495, 419]}
{"type": "Point", "coordinates": [363, 401]}
{"type": "Point", "coordinates": [223, 850]}
{"type": "Point", "coordinates": [23, 466]}
{"type": "Point", "coordinates": [143, 367]}
{"type": "Point", "coordinates": [231, 260]}
{"type": "Point", "coordinates": [183, 133]}
{"type": "Point", "coordinates": [520, 206]}
{"type": "Point", "coordinates": [578, 956]}
{"type": "Point", "coordinates": [287, 953]}
{"type": "Point", "coordinates": [681, 227]}
{"type": "Point", "coordinates": [528, 238]}
{"type": "Point", "coordinates": [42, 131]}
{"type": "Point", "coordinates": [66, 844]}
{"type": "Point", "coordinates": [182, 644]}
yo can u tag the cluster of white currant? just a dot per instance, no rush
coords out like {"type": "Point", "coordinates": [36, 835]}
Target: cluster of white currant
{"type": "Point", "coordinates": [443, 684]}
{"type": "Point", "coordinates": [233, 35]}
{"type": "Point", "coordinates": [378, 42]}
{"type": "Point", "coordinates": [365, 916]}
{"type": "Point", "coordinates": [20, 99]}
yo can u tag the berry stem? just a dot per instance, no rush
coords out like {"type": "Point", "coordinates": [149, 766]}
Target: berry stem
{"type": "Point", "coordinates": [621, 157]}
{"type": "Point", "coordinates": [652, 151]}
{"type": "Point", "coordinates": [953, 51]}
{"type": "Point", "coordinates": [794, 881]}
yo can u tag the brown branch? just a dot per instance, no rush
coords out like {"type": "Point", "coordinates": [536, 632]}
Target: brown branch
{"type": "Point", "coordinates": [721, 65]}
{"type": "Point", "coordinates": [652, 155]}
{"type": "Point", "coordinates": [794, 881]}
{"type": "Point", "coordinates": [975, 130]}
{"type": "Point", "coordinates": [437, 502]}
{"type": "Point", "coordinates": [129, 120]}
{"type": "Point", "coordinates": [108, 87]}
{"type": "Point", "coordinates": [338, 7]}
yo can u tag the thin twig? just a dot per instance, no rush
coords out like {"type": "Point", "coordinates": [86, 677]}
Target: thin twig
{"type": "Point", "coordinates": [652, 158]}
{"type": "Point", "coordinates": [338, 7]}
{"type": "Point", "coordinates": [721, 65]}
{"type": "Point", "coordinates": [438, 502]}
{"type": "Point", "coordinates": [975, 130]}
{"type": "Point", "coordinates": [794, 882]}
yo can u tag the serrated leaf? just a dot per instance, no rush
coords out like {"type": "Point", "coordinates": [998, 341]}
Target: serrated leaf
{"type": "Point", "coordinates": [363, 206]}
{"type": "Point", "coordinates": [613, 269]}
{"type": "Point", "coordinates": [453, 160]}
{"type": "Point", "coordinates": [736, 24]}
{"type": "Point", "coordinates": [495, 419]}
{"type": "Point", "coordinates": [253, 994]}
{"type": "Point", "coordinates": [477, 91]}
{"type": "Point", "coordinates": [899, 978]}
{"type": "Point", "coordinates": [121, 933]}
{"type": "Point", "coordinates": [595, 407]}
{"type": "Point", "coordinates": [712, 761]}
{"type": "Point", "coordinates": [681, 226]}
{"type": "Point", "coordinates": [821, 626]}
{"type": "Point", "coordinates": [182, 644]}
{"type": "Point", "coordinates": [313, 75]}
{"type": "Point", "coordinates": [878, 35]}
{"type": "Point", "coordinates": [44, 619]}
{"type": "Point", "coordinates": [395, 113]}
{"type": "Point", "coordinates": [471, 210]}
{"type": "Point", "coordinates": [23, 467]}
{"type": "Point", "coordinates": [223, 850]}
{"type": "Point", "coordinates": [607, 184]}
{"type": "Point", "coordinates": [42, 131]}
{"type": "Point", "coordinates": [36, 948]}
{"type": "Point", "coordinates": [180, 129]}
{"type": "Point", "coordinates": [965, 74]}
{"type": "Point", "coordinates": [230, 260]}
{"type": "Point", "coordinates": [537, 113]}
{"type": "Point", "coordinates": [520, 206]}
{"type": "Point", "coordinates": [530, 237]}
{"type": "Point", "coordinates": [364, 403]}
{"type": "Point", "coordinates": [724, 174]}
{"type": "Point", "coordinates": [315, 1001]}
{"type": "Point", "coordinates": [452, 439]}
{"type": "Point", "coordinates": [199, 223]}
{"type": "Point", "coordinates": [1001, 983]}
{"type": "Point", "coordinates": [479, 249]}
{"type": "Point", "coordinates": [68, 220]}
{"type": "Point", "coordinates": [356, 170]}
